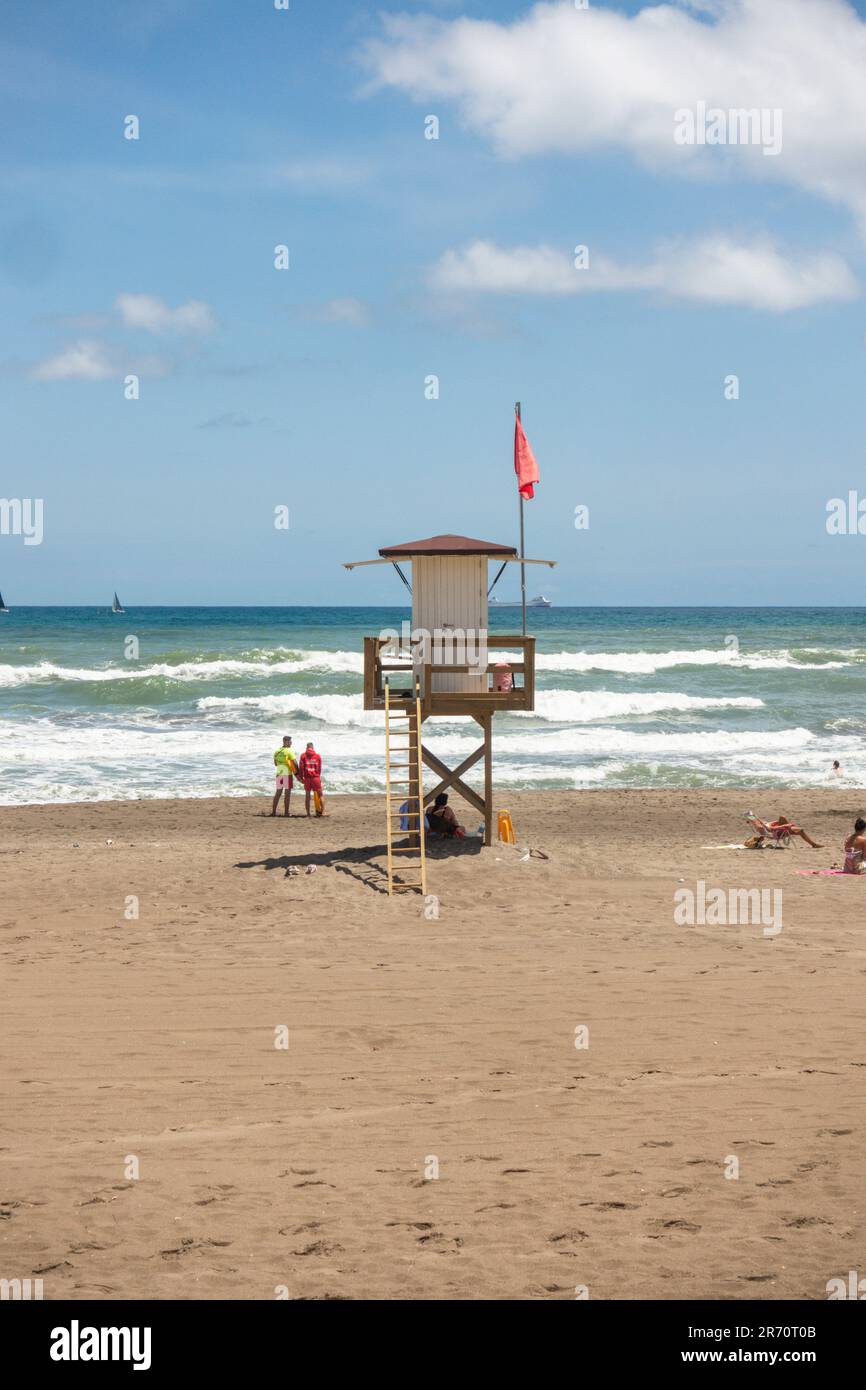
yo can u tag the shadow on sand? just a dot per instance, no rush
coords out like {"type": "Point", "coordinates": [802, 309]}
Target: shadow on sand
{"type": "Point", "coordinates": [357, 860]}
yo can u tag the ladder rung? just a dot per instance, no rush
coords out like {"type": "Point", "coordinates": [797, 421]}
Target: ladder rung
{"type": "Point", "coordinates": [406, 741]}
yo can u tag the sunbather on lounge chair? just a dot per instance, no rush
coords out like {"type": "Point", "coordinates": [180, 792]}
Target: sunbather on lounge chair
{"type": "Point", "coordinates": [782, 826]}
{"type": "Point", "coordinates": [777, 832]}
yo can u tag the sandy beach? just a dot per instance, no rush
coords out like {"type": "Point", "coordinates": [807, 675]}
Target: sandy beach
{"type": "Point", "coordinates": [422, 1043]}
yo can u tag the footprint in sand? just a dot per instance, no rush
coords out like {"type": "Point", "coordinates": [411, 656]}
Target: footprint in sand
{"type": "Point", "coordinates": [677, 1225]}
{"type": "Point", "coordinates": [188, 1244]}
{"type": "Point", "coordinates": [444, 1242]}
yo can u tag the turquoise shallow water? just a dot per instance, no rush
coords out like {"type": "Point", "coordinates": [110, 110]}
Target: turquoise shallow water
{"type": "Point", "coordinates": [625, 697]}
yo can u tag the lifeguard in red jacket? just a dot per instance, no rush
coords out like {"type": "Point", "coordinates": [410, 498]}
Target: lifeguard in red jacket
{"type": "Point", "coordinates": [310, 768]}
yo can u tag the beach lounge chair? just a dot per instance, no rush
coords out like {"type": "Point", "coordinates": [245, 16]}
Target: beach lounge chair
{"type": "Point", "coordinates": [765, 836]}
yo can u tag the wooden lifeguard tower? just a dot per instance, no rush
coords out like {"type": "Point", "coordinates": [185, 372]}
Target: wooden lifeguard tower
{"type": "Point", "coordinates": [443, 665]}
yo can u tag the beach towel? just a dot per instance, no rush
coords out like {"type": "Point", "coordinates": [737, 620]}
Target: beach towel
{"type": "Point", "coordinates": [825, 873]}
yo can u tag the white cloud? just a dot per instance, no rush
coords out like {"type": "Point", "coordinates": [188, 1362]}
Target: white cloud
{"type": "Point", "coordinates": [148, 312]}
{"type": "Point", "coordinates": [86, 360]}
{"type": "Point", "coordinates": [351, 311]}
{"type": "Point", "coordinates": [566, 80]}
{"type": "Point", "coordinates": [323, 174]}
{"type": "Point", "coordinates": [89, 359]}
{"type": "Point", "coordinates": [713, 270]}
{"type": "Point", "coordinates": [485, 267]}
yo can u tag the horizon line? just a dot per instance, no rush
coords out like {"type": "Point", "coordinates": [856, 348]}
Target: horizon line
{"type": "Point", "coordinates": [351, 607]}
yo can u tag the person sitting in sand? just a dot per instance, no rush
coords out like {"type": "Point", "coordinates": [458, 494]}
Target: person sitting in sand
{"type": "Point", "coordinates": [284, 761]}
{"type": "Point", "coordinates": [311, 770]}
{"type": "Point", "coordinates": [855, 849]}
{"type": "Point", "coordinates": [442, 820]}
{"type": "Point", "coordinates": [783, 826]}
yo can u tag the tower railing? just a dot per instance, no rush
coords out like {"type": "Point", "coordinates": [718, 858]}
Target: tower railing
{"type": "Point", "coordinates": [380, 665]}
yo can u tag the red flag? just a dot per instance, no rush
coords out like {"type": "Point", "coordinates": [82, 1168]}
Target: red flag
{"type": "Point", "coordinates": [524, 462]}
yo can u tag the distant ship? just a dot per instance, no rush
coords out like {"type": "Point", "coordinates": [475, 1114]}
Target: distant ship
{"type": "Point", "coordinates": [116, 606]}
{"type": "Point", "coordinates": [3, 608]}
{"type": "Point", "coordinates": [538, 602]}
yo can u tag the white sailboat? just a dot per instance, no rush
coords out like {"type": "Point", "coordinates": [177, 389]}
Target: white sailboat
{"type": "Point", "coordinates": [3, 608]}
{"type": "Point", "coordinates": [116, 605]}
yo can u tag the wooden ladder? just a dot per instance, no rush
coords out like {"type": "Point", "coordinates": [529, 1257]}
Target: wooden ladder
{"type": "Point", "coordinates": [403, 737]}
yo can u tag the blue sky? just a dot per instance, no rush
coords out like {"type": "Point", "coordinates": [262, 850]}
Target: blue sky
{"type": "Point", "coordinates": [412, 257]}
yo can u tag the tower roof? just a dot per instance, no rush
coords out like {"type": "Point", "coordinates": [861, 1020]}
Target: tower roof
{"type": "Point", "coordinates": [446, 545]}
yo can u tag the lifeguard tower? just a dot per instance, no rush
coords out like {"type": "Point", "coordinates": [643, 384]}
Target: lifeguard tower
{"type": "Point", "coordinates": [443, 666]}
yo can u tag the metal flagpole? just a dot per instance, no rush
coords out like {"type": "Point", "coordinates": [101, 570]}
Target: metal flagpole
{"type": "Point", "coordinates": [522, 550]}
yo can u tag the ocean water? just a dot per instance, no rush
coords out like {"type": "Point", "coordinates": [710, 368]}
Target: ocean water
{"type": "Point", "coordinates": [626, 697]}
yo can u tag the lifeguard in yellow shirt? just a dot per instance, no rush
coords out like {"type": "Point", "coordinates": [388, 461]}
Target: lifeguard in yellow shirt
{"type": "Point", "coordinates": [287, 768]}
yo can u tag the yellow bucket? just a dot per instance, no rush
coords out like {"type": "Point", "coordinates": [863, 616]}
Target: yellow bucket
{"type": "Point", "coordinates": [506, 829]}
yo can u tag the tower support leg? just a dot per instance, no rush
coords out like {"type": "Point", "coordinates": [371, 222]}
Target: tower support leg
{"type": "Point", "coordinates": [453, 778]}
{"type": "Point", "coordinates": [488, 778]}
